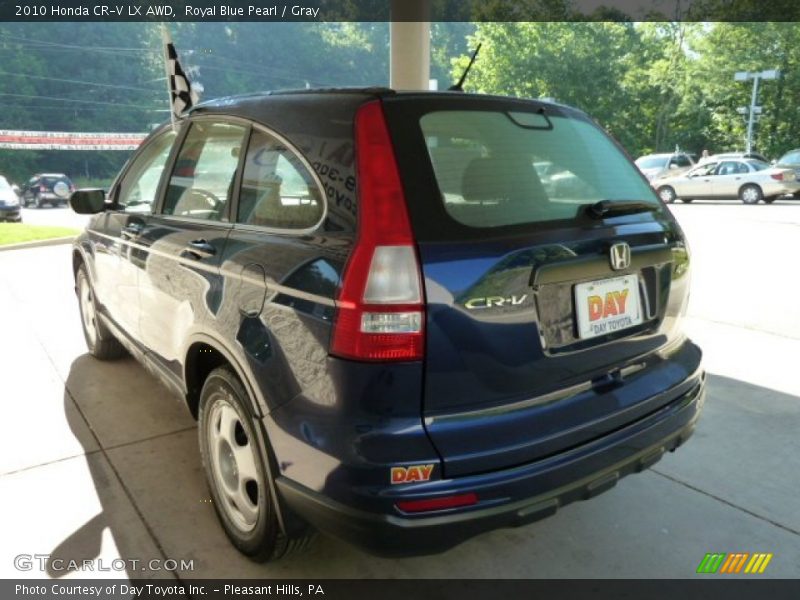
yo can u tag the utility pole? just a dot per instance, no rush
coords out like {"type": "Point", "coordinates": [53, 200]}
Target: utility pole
{"type": "Point", "coordinates": [751, 113]}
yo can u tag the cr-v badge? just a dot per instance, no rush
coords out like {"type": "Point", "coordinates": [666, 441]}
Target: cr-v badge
{"type": "Point", "coordinates": [492, 301]}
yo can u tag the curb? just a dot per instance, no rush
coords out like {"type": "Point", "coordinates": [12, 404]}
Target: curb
{"type": "Point", "coordinates": [39, 243]}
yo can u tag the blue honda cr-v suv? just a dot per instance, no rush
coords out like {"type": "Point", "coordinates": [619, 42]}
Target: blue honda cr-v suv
{"type": "Point", "coordinates": [400, 318]}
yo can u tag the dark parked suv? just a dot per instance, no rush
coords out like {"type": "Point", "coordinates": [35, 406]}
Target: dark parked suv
{"type": "Point", "coordinates": [388, 329]}
{"type": "Point", "coordinates": [47, 188]}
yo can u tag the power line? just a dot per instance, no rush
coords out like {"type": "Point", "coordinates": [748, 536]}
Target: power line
{"type": "Point", "coordinates": [37, 97]}
{"type": "Point", "coordinates": [62, 108]}
{"type": "Point", "coordinates": [112, 50]}
{"type": "Point", "coordinates": [88, 83]}
{"type": "Point", "coordinates": [106, 49]}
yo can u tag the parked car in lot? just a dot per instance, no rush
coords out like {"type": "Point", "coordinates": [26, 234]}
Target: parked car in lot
{"type": "Point", "coordinates": [730, 155]}
{"type": "Point", "coordinates": [387, 327]}
{"type": "Point", "coordinates": [791, 160]}
{"type": "Point", "coordinates": [749, 180]}
{"type": "Point", "coordinates": [654, 166]}
{"type": "Point", "coordinates": [9, 202]}
{"type": "Point", "coordinates": [47, 188]}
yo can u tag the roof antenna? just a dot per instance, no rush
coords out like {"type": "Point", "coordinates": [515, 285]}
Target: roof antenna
{"type": "Point", "coordinates": [458, 87]}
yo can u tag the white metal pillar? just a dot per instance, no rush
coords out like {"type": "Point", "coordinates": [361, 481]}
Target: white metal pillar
{"type": "Point", "coordinates": [410, 45]}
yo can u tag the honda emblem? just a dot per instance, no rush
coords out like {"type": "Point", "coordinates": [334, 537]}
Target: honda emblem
{"type": "Point", "coordinates": [620, 256]}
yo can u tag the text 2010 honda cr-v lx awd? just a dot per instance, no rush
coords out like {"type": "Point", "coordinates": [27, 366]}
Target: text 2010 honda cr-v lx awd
{"type": "Point", "coordinates": [400, 318]}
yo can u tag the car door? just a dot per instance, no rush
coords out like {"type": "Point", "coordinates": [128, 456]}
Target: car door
{"type": "Point", "coordinates": [184, 240]}
{"type": "Point", "coordinates": [282, 277]}
{"type": "Point", "coordinates": [728, 178]}
{"type": "Point", "coordinates": [698, 182]}
{"type": "Point", "coordinates": [118, 256]}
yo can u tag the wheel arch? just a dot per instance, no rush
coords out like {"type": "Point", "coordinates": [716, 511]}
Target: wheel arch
{"type": "Point", "coordinates": [81, 255]}
{"type": "Point", "coordinates": [205, 353]}
{"type": "Point", "coordinates": [750, 184]}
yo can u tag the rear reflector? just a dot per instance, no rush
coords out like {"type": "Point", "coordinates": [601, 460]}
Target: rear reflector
{"type": "Point", "coordinates": [430, 504]}
{"type": "Point", "coordinates": [380, 311]}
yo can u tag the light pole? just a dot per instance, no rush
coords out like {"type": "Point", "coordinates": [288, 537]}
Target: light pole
{"type": "Point", "coordinates": [755, 76]}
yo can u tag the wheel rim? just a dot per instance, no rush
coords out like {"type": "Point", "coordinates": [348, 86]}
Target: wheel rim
{"type": "Point", "coordinates": [750, 195]}
{"type": "Point", "coordinates": [666, 195]}
{"type": "Point", "coordinates": [233, 463]}
{"type": "Point", "coordinates": [88, 311]}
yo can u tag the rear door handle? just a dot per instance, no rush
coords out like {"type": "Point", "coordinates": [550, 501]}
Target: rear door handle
{"type": "Point", "coordinates": [200, 249]}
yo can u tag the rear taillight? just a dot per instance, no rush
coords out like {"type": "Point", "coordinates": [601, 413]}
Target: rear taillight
{"type": "Point", "coordinates": [777, 176]}
{"type": "Point", "coordinates": [42, 188]}
{"type": "Point", "coordinates": [380, 310]}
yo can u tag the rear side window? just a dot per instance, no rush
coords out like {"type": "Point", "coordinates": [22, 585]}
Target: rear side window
{"type": "Point", "coordinates": [732, 168]}
{"type": "Point", "coordinates": [205, 170]}
{"type": "Point", "coordinates": [278, 191]}
{"type": "Point", "coordinates": [508, 168]}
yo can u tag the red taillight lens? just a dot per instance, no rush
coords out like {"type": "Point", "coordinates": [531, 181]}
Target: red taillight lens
{"type": "Point", "coordinates": [442, 503]}
{"type": "Point", "coordinates": [777, 176]}
{"type": "Point", "coordinates": [380, 312]}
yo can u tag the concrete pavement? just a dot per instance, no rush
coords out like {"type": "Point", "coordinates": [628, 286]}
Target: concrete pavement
{"type": "Point", "coordinates": [99, 461]}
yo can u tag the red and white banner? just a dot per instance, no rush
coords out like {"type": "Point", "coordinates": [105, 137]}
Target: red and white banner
{"type": "Point", "coordinates": [64, 140]}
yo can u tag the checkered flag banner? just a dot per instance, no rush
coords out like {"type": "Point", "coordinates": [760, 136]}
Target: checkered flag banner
{"type": "Point", "coordinates": [181, 95]}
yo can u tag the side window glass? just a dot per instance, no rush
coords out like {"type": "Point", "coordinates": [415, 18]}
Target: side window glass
{"type": "Point", "coordinates": [682, 160]}
{"type": "Point", "coordinates": [204, 173]}
{"type": "Point", "coordinates": [137, 191]}
{"type": "Point", "coordinates": [742, 168]}
{"type": "Point", "coordinates": [278, 191]}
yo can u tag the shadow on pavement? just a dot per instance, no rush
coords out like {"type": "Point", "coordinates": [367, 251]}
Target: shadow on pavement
{"type": "Point", "coordinates": [743, 434]}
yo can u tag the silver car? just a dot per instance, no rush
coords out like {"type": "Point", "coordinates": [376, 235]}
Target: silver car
{"type": "Point", "coordinates": [748, 179]}
{"type": "Point", "coordinates": [654, 166]}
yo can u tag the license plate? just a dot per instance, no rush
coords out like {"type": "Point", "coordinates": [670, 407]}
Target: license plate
{"type": "Point", "coordinates": [607, 306]}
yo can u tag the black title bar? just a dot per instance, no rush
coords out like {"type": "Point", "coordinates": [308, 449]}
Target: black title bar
{"type": "Point", "coordinates": [380, 10]}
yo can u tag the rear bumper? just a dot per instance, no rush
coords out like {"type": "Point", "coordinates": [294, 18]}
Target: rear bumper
{"type": "Point", "coordinates": [507, 498]}
{"type": "Point", "coordinates": [8, 213]}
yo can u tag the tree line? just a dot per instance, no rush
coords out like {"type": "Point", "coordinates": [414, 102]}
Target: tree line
{"type": "Point", "coordinates": [655, 85]}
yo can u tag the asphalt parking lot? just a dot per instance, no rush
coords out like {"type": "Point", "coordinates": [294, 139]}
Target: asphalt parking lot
{"type": "Point", "coordinates": [98, 461]}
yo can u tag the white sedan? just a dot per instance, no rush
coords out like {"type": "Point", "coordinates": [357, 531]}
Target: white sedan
{"type": "Point", "coordinates": [748, 179]}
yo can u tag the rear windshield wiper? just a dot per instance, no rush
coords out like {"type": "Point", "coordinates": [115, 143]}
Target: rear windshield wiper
{"type": "Point", "coordinates": [615, 208]}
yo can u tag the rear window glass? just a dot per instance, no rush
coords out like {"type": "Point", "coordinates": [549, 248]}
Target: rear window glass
{"type": "Point", "coordinates": [52, 180]}
{"type": "Point", "coordinates": [790, 159]}
{"type": "Point", "coordinates": [497, 168]}
{"type": "Point", "coordinates": [652, 162]}
{"type": "Point", "coordinates": [758, 165]}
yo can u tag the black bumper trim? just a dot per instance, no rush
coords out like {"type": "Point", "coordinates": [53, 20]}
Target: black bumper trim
{"type": "Point", "coordinates": [394, 535]}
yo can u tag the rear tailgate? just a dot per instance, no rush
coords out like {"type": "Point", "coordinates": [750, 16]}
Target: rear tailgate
{"type": "Point", "coordinates": [534, 344]}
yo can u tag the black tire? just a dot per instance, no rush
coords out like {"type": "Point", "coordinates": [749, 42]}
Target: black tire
{"type": "Point", "coordinates": [254, 528]}
{"type": "Point", "coordinates": [750, 194]}
{"type": "Point", "coordinates": [667, 194]}
{"type": "Point", "coordinates": [687, 200]}
{"type": "Point", "coordinates": [38, 202]}
{"type": "Point", "coordinates": [770, 199]}
{"type": "Point", "coordinates": [100, 342]}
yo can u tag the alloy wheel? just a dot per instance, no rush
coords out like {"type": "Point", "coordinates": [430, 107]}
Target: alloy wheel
{"type": "Point", "coordinates": [88, 311]}
{"type": "Point", "coordinates": [232, 454]}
